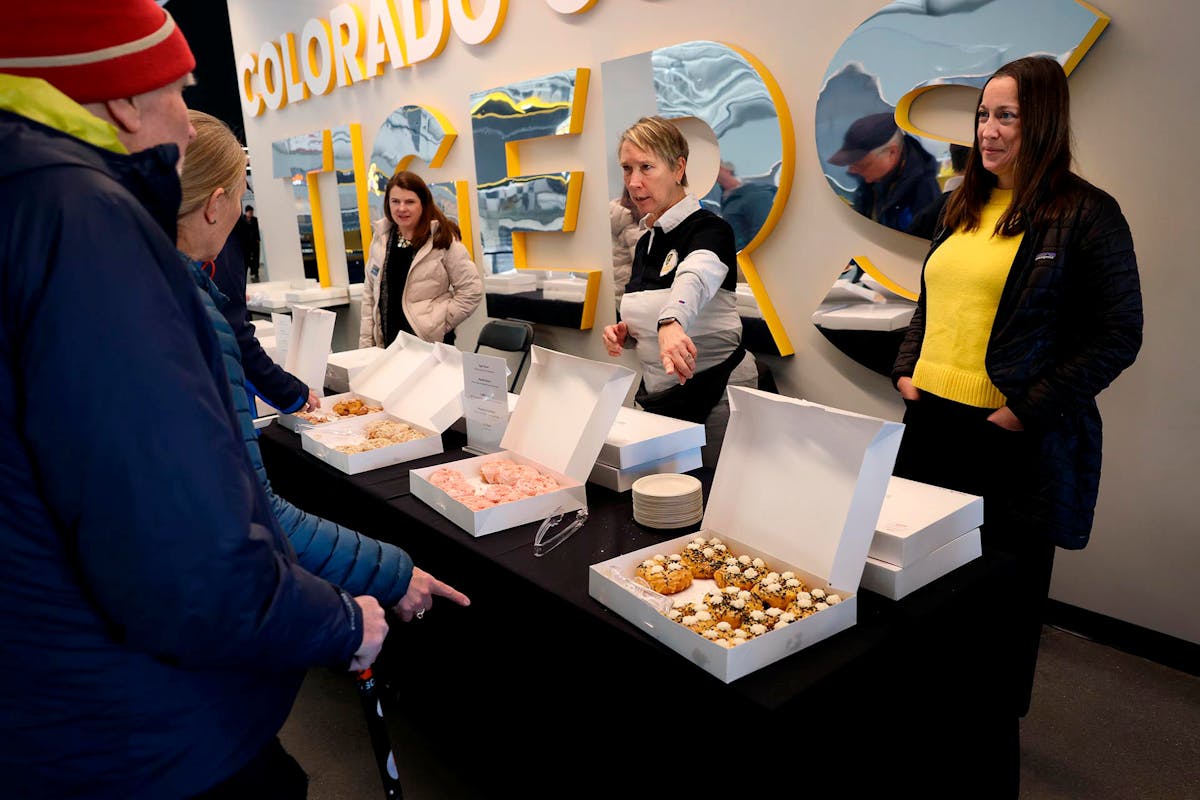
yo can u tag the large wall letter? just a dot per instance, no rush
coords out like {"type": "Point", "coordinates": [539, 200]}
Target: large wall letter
{"type": "Point", "coordinates": [300, 159]}
{"type": "Point", "coordinates": [512, 204]}
{"type": "Point", "coordinates": [899, 53]}
{"type": "Point", "coordinates": [734, 94]}
{"type": "Point", "coordinates": [417, 132]}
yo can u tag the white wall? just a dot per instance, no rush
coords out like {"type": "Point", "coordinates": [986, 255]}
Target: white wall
{"type": "Point", "coordinates": [1145, 548]}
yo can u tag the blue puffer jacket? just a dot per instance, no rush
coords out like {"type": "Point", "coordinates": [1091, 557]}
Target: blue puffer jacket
{"type": "Point", "coordinates": [154, 622]}
{"type": "Point", "coordinates": [357, 563]}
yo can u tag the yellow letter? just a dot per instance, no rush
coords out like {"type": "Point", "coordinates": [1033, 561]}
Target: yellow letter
{"type": "Point", "coordinates": [252, 103]}
{"type": "Point", "coordinates": [316, 42]}
{"type": "Point", "coordinates": [293, 83]}
{"type": "Point", "coordinates": [348, 47]}
{"type": "Point", "coordinates": [270, 71]}
{"type": "Point", "coordinates": [477, 29]}
{"type": "Point", "coordinates": [422, 41]}
{"type": "Point", "coordinates": [381, 19]}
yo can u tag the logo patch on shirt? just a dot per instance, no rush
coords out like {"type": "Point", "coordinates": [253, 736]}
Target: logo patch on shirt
{"type": "Point", "coordinates": [669, 263]}
{"type": "Point", "coordinates": [1048, 255]}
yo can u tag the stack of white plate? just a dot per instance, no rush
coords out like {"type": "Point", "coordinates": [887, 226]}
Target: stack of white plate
{"type": "Point", "coordinates": [667, 500]}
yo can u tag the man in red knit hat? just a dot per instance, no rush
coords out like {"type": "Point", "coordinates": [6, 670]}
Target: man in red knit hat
{"type": "Point", "coordinates": [155, 623]}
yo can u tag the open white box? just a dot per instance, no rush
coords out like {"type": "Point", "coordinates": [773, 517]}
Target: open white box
{"type": "Point", "coordinates": [428, 400]}
{"type": "Point", "coordinates": [895, 582]}
{"type": "Point", "coordinates": [567, 406]}
{"type": "Point", "coordinates": [342, 367]}
{"type": "Point", "coordinates": [917, 519]}
{"type": "Point", "coordinates": [799, 485]}
{"type": "Point", "coordinates": [375, 383]}
{"type": "Point", "coordinates": [294, 423]}
{"type": "Point", "coordinates": [638, 437]}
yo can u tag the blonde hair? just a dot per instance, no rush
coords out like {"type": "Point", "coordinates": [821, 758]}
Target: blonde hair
{"type": "Point", "coordinates": [661, 137]}
{"type": "Point", "coordinates": [214, 160]}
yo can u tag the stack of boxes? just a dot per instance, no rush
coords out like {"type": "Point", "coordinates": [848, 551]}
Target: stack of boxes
{"type": "Point", "coordinates": [923, 533]}
{"type": "Point", "coordinates": [641, 443]}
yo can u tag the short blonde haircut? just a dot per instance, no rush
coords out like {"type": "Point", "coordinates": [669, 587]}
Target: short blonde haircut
{"type": "Point", "coordinates": [214, 160]}
{"type": "Point", "coordinates": [659, 136]}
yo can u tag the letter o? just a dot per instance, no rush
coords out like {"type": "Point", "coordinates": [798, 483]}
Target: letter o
{"type": "Point", "coordinates": [477, 29]}
{"type": "Point", "coordinates": [270, 72]}
{"type": "Point", "coordinates": [316, 42]}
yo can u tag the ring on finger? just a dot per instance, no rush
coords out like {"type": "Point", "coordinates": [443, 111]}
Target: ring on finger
{"type": "Point", "coordinates": [421, 613]}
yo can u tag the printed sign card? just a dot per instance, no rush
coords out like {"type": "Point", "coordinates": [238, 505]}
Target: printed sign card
{"type": "Point", "coordinates": [485, 401]}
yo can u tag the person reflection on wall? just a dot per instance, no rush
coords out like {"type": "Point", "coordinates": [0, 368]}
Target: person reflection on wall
{"type": "Point", "coordinates": [897, 177]}
{"type": "Point", "coordinates": [744, 205]}
{"type": "Point", "coordinates": [247, 236]}
{"type": "Point", "coordinates": [925, 221]}
{"type": "Point", "coordinates": [625, 235]}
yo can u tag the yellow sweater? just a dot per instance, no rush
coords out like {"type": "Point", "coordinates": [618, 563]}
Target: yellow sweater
{"type": "Point", "coordinates": [963, 281]}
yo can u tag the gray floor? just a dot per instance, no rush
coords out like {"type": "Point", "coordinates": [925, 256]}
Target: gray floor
{"type": "Point", "coordinates": [1104, 724]}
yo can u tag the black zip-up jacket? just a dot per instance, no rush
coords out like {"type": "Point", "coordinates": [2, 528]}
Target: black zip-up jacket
{"type": "Point", "coordinates": [1068, 323]}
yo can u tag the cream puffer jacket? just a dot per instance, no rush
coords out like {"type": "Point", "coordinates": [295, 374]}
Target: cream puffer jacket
{"type": "Point", "coordinates": [442, 290]}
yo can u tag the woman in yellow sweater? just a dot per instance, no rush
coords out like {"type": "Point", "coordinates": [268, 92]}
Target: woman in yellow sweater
{"type": "Point", "coordinates": [1030, 305]}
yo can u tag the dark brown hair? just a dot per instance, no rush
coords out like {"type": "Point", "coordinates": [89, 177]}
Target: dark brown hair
{"type": "Point", "coordinates": [1042, 172]}
{"type": "Point", "coordinates": [447, 230]}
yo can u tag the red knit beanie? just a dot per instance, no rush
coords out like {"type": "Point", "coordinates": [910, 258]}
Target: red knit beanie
{"type": "Point", "coordinates": [94, 50]}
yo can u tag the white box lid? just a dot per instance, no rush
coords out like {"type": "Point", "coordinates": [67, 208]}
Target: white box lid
{"type": "Point", "coordinates": [432, 396]}
{"type": "Point", "coordinates": [348, 359]}
{"type": "Point", "coordinates": [566, 409]}
{"type": "Point", "coordinates": [803, 482]}
{"type": "Point", "coordinates": [864, 316]}
{"type": "Point", "coordinates": [638, 436]}
{"type": "Point", "coordinates": [918, 518]}
{"type": "Point", "coordinates": [389, 371]}
{"type": "Point", "coordinates": [316, 293]}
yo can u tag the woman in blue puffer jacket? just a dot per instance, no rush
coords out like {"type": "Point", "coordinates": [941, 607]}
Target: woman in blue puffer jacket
{"type": "Point", "coordinates": [214, 180]}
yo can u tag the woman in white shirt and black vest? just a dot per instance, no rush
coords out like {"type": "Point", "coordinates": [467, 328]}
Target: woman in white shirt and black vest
{"type": "Point", "coordinates": [679, 310]}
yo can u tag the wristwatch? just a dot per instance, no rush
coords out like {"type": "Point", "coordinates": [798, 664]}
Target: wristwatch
{"type": "Point", "coordinates": [666, 321]}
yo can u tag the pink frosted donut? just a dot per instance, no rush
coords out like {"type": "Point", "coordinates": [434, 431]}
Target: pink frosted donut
{"type": "Point", "coordinates": [516, 472]}
{"type": "Point", "coordinates": [445, 478]}
{"type": "Point", "coordinates": [490, 470]}
{"type": "Point", "coordinates": [500, 493]}
{"type": "Point", "coordinates": [459, 491]}
{"type": "Point", "coordinates": [476, 502]}
{"type": "Point", "coordinates": [541, 484]}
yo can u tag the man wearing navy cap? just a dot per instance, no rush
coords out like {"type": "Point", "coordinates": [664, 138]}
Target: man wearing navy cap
{"type": "Point", "coordinates": [897, 177]}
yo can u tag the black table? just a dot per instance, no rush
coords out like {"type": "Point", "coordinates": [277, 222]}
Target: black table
{"type": "Point", "coordinates": [913, 694]}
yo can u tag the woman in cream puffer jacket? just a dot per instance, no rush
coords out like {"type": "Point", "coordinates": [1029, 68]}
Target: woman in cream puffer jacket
{"type": "Point", "coordinates": [441, 286]}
